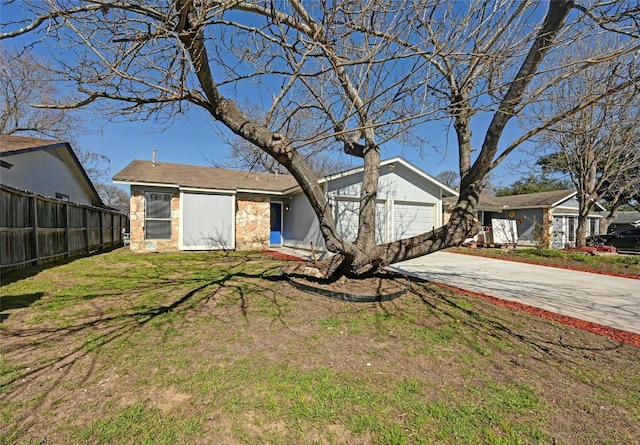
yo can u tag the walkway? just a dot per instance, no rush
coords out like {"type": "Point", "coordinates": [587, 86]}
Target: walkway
{"type": "Point", "coordinates": [602, 299]}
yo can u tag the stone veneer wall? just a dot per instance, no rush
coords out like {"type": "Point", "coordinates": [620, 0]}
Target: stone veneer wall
{"type": "Point", "coordinates": [138, 243]}
{"type": "Point", "coordinates": [253, 223]}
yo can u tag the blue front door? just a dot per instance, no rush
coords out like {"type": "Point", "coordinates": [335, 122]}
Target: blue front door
{"type": "Point", "coordinates": [276, 223]}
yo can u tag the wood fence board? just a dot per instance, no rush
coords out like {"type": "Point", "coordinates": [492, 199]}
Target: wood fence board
{"type": "Point", "coordinates": [36, 229]}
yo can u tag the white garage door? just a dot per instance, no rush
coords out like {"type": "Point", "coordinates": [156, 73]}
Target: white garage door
{"type": "Point", "coordinates": [207, 222]}
{"type": "Point", "coordinates": [411, 219]}
{"type": "Point", "coordinates": [346, 218]}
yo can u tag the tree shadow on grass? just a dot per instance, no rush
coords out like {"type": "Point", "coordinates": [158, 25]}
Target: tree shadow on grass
{"type": "Point", "coordinates": [88, 336]}
{"type": "Point", "coordinates": [8, 302]}
{"type": "Point", "coordinates": [540, 336]}
{"type": "Point", "coordinates": [29, 271]}
{"type": "Point", "coordinates": [237, 288]}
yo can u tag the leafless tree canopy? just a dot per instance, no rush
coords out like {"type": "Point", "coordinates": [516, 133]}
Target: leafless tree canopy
{"type": "Point", "coordinates": [25, 85]}
{"type": "Point", "coordinates": [363, 72]}
{"type": "Point", "coordinates": [598, 146]}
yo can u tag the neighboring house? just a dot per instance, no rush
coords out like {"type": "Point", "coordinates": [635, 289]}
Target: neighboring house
{"type": "Point", "coordinates": [49, 168]}
{"type": "Point", "coordinates": [184, 207]}
{"type": "Point", "coordinates": [624, 221]}
{"type": "Point", "coordinates": [547, 218]}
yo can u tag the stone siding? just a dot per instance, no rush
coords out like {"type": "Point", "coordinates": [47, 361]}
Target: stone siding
{"type": "Point", "coordinates": [253, 223]}
{"type": "Point", "coordinates": [138, 243]}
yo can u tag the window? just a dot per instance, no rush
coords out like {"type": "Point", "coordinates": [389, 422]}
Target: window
{"type": "Point", "coordinates": [62, 196]}
{"type": "Point", "coordinates": [593, 226]}
{"type": "Point", "coordinates": [157, 215]}
{"type": "Point", "coordinates": [571, 228]}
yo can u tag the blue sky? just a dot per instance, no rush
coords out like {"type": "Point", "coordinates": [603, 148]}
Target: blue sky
{"type": "Point", "coordinates": [192, 138]}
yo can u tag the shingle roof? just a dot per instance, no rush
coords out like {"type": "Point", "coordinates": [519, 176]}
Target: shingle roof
{"type": "Point", "coordinates": [627, 217]}
{"type": "Point", "coordinates": [17, 145]}
{"type": "Point", "coordinates": [541, 199]}
{"type": "Point", "coordinates": [182, 175]}
{"type": "Point", "coordinates": [12, 144]}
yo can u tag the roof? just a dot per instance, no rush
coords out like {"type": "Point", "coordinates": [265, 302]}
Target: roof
{"type": "Point", "coordinates": [627, 217]}
{"type": "Point", "coordinates": [524, 201]}
{"type": "Point", "coordinates": [191, 176]}
{"type": "Point", "coordinates": [11, 145]}
{"type": "Point", "coordinates": [447, 191]}
{"type": "Point", "coordinates": [528, 200]}
{"type": "Point", "coordinates": [16, 145]}
{"type": "Point", "coordinates": [210, 178]}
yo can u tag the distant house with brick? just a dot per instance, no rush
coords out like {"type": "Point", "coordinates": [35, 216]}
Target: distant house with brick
{"type": "Point", "coordinates": [46, 167]}
{"type": "Point", "coordinates": [546, 218]}
{"type": "Point", "coordinates": [187, 207]}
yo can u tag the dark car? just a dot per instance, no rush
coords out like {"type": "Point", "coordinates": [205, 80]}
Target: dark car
{"type": "Point", "coordinates": [624, 240]}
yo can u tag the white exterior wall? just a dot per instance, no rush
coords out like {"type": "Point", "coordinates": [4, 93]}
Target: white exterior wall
{"type": "Point", "coordinates": [300, 227]}
{"type": "Point", "coordinates": [45, 173]}
{"type": "Point", "coordinates": [399, 187]}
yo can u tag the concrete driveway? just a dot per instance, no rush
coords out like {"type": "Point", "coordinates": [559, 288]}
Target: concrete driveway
{"type": "Point", "coordinates": [602, 299]}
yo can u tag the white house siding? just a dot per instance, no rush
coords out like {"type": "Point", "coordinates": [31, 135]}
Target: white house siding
{"type": "Point", "coordinates": [207, 221]}
{"type": "Point", "coordinates": [565, 227]}
{"type": "Point", "coordinates": [300, 227]}
{"type": "Point", "coordinates": [45, 173]}
{"type": "Point", "coordinates": [407, 205]}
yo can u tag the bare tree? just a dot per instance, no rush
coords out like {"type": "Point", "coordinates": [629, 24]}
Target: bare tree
{"type": "Point", "coordinates": [365, 71]}
{"type": "Point", "coordinates": [25, 82]}
{"type": "Point", "coordinates": [449, 178]}
{"type": "Point", "coordinates": [598, 146]}
{"type": "Point", "coordinates": [114, 196]}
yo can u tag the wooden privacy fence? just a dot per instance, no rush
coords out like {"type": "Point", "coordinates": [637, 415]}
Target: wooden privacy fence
{"type": "Point", "coordinates": [35, 229]}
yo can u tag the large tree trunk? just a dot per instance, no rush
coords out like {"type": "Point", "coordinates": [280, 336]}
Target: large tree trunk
{"type": "Point", "coordinates": [581, 231]}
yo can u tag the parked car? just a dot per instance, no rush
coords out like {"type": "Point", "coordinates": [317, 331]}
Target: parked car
{"type": "Point", "coordinates": [624, 240]}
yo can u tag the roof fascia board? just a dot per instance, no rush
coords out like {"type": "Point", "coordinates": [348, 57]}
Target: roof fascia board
{"type": "Point", "coordinates": [569, 196]}
{"type": "Point", "coordinates": [396, 159]}
{"type": "Point", "coordinates": [38, 148]}
{"type": "Point", "coordinates": [148, 184]}
{"type": "Point", "coordinates": [590, 215]}
{"type": "Point", "coordinates": [206, 190]}
{"type": "Point", "coordinates": [263, 192]}
{"type": "Point", "coordinates": [69, 151]}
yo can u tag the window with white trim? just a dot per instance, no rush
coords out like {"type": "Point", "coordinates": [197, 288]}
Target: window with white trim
{"type": "Point", "coordinates": [571, 222]}
{"type": "Point", "coordinates": [157, 220]}
{"type": "Point", "coordinates": [593, 226]}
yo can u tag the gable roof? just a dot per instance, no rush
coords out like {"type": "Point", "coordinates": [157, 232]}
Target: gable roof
{"type": "Point", "coordinates": [208, 178]}
{"type": "Point", "coordinates": [528, 200]}
{"type": "Point", "coordinates": [17, 145]}
{"type": "Point", "coordinates": [11, 145]}
{"type": "Point", "coordinates": [447, 191]}
{"type": "Point", "coordinates": [627, 217]}
{"type": "Point", "coordinates": [524, 201]}
{"type": "Point", "coordinates": [169, 174]}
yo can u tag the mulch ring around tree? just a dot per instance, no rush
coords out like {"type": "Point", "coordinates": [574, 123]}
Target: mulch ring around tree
{"type": "Point", "coordinates": [382, 286]}
{"type": "Point", "coordinates": [391, 286]}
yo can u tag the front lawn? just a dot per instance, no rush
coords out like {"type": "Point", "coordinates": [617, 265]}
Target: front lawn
{"type": "Point", "coordinates": [201, 348]}
{"type": "Point", "coordinates": [614, 264]}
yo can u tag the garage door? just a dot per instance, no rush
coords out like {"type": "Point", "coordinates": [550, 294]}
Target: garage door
{"type": "Point", "coordinates": [346, 218]}
{"type": "Point", "coordinates": [411, 219]}
{"type": "Point", "coordinates": [207, 222]}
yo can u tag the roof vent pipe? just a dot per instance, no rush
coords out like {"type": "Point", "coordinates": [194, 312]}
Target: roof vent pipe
{"type": "Point", "coordinates": [153, 158]}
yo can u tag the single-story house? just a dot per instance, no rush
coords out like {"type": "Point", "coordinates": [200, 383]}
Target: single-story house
{"type": "Point", "coordinates": [49, 168]}
{"type": "Point", "coordinates": [186, 207]}
{"type": "Point", "coordinates": [547, 218]}
{"type": "Point", "coordinates": [624, 221]}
